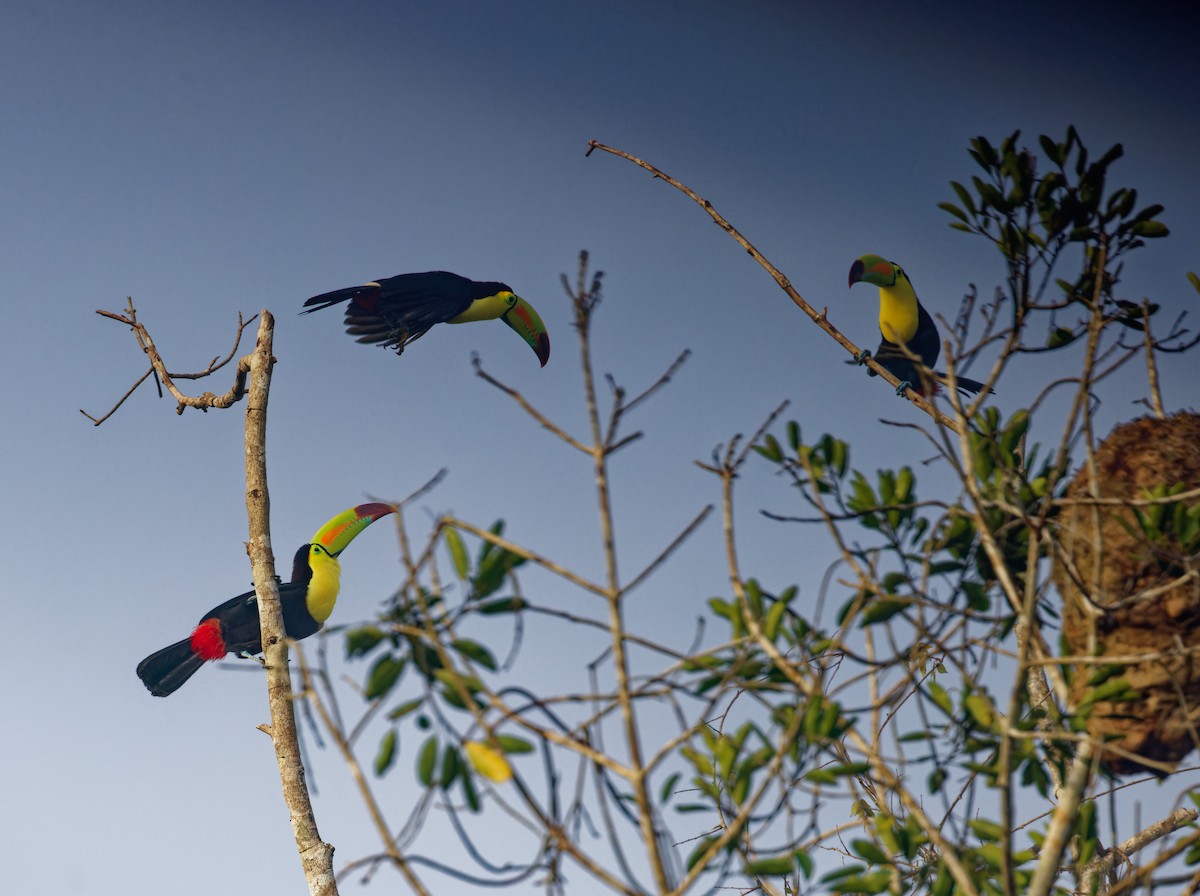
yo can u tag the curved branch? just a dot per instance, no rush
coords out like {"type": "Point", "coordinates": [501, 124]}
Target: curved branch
{"type": "Point", "coordinates": [158, 367]}
{"type": "Point", "coordinates": [819, 318]}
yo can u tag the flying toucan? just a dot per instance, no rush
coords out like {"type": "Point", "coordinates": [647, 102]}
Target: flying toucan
{"type": "Point", "coordinates": [397, 310]}
{"type": "Point", "coordinates": [233, 627]}
{"type": "Point", "coordinates": [903, 321]}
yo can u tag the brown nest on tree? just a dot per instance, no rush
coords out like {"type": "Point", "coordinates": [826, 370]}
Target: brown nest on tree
{"type": "Point", "coordinates": [1129, 576]}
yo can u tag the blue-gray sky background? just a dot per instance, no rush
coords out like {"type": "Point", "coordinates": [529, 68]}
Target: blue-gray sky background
{"type": "Point", "coordinates": [212, 158]}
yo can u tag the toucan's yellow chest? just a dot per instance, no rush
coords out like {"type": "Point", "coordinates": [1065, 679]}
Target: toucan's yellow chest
{"type": "Point", "coordinates": [323, 587]}
{"type": "Point", "coordinates": [899, 312]}
{"type": "Point", "coordinates": [488, 308]}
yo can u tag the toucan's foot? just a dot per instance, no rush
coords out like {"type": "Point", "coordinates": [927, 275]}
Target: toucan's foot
{"type": "Point", "coordinates": [903, 387]}
{"type": "Point", "coordinates": [862, 358]}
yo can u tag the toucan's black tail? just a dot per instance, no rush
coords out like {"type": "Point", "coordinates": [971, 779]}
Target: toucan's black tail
{"type": "Point", "coordinates": [326, 299]}
{"type": "Point", "coordinates": [969, 386]}
{"type": "Point", "coordinates": [164, 671]}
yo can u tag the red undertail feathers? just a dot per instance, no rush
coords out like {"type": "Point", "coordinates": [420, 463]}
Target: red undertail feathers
{"type": "Point", "coordinates": [207, 642]}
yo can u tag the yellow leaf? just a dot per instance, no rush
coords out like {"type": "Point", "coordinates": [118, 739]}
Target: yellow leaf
{"type": "Point", "coordinates": [488, 762]}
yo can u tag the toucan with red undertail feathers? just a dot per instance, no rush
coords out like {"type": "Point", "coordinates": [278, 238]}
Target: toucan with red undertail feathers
{"type": "Point", "coordinates": [233, 627]}
{"type": "Point", "coordinates": [395, 311]}
{"type": "Point", "coordinates": [903, 321]}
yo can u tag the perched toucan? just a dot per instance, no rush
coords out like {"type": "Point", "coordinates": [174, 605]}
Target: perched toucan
{"type": "Point", "coordinates": [233, 626]}
{"type": "Point", "coordinates": [903, 321]}
{"type": "Point", "coordinates": [397, 310]}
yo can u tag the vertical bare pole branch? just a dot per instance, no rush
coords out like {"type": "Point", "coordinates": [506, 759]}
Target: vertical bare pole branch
{"type": "Point", "coordinates": [1151, 366]}
{"type": "Point", "coordinates": [316, 856]}
{"type": "Point", "coordinates": [613, 592]}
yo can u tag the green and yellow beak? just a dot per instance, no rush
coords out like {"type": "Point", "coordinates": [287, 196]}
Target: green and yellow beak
{"type": "Point", "coordinates": [873, 269]}
{"type": "Point", "coordinates": [522, 318]}
{"type": "Point", "coordinates": [336, 535]}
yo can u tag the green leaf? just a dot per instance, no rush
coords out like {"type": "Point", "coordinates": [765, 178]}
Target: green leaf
{"type": "Point", "coordinates": [1104, 673]}
{"type": "Point", "coordinates": [882, 609]}
{"type": "Point", "coordinates": [512, 604]}
{"type": "Point", "coordinates": [776, 866]}
{"type": "Point", "coordinates": [980, 709]}
{"type": "Point", "coordinates": [872, 882]}
{"type": "Point", "coordinates": [977, 596]}
{"type": "Point", "coordinates": [384, 675]}
{"type": "Point", "coordinates": [1150, 229]}
{"type": "Point", "coordinates": [1115, 689]}
{"type": "Point", "coordinates": [937, 778]}
{"type": "Point", "coordinates": [701, 848]}
{"type": "Point", "coordinates": [492, 572]}
{"type": "Point", "coordinates": [425, 657]}
{"type": "Point", "coordinates": [513, 745]}
{"type": "Point", "coordinates": [1085, 827]}
{"type": "Point", "coordinates": [869, 850]}
{"type": "Point", "coordinates": [943, 884]}
{"type": "Point", "coordinates": [451, 691]}
{"type": "Point", "coordinates": [770, 623]}
{"type": "Point", "coordinates": [1061, 336]}
{"type": "Point", "coordinates": [426, 760]}
{"type": "Point", "coordinates": [941, 698]}
{"type": "Point", "coordinates": [849, 768]}
{"type": "Point", "coordinates": [363, 640]}
{"type": "Point", "coordinates": [820, 776]}
{"type": "Point", "coordinates": [1054, 152]}
{"type": "Point", "coordinates": [469, 794]}
{"type": "Point", "coordinates": [386, 754]}
{"type": "Point", "coordinates": [668, 788]}
{"type": "Point", "coordinates": [405, 708]}
{"type": "Point", "coordinates": [458, 553]}
{"type": "Point", "coordinates": [770, 448]}
{"type": "Point", "coordinates": [987, 831]}
{"type": "Point", "coordinates": [476, 652]}
{"type": "Point", "coordinates": [451, 766]}
{"type": "Point", "coordinates": [1192, 856]}
{"type": "Point", "coordinates": [964, 197]}
{"type": "Point", "coordinates": [952, 209]}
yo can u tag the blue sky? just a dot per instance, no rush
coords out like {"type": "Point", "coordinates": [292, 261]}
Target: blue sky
{"type": "Point", "coordinates": [212, 158]}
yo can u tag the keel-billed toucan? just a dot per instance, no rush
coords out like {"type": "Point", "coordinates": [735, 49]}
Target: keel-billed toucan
{"type": "Point", "coordinates": [396, 310]}
{"type": "Point", "coordinates": [904, 322]}
{"type": "Point", "coordinates": [233, 627]}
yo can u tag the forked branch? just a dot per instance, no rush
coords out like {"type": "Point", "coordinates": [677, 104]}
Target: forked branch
{"type": "Point", "coordinates": [158, 369]}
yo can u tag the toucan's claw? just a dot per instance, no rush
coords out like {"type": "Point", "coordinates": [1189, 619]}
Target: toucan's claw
{"type": "Point", "coordinates": [861, 359]}
{"type": "Point", "coordinates": [903, 387]}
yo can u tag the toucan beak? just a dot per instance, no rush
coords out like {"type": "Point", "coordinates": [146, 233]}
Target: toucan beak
{"type": "Point", "coordinates": [873, 269]}
{"type": "Point", "coordinates": [522, 318]}
{"type": "Point", "coordinates": [336, 535]}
